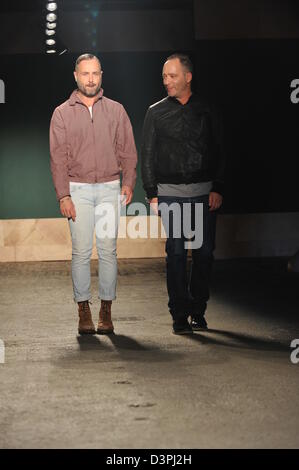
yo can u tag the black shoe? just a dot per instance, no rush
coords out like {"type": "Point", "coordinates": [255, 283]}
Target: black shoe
{"type": "Point", "coordinates": [182, 327]}
{"type": "Point", "coordinates": [199, 323]}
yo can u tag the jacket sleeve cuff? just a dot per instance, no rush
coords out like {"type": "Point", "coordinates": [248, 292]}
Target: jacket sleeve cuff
{"type": "Point", "coordinates": [66, 195]}
{"type": "Point", "coordinates": [151, 192]}
{"type": "Point", "coordinates": [129, 179]}
{"type": "Point", "coordinates": [62, 193]}
{"type": "Point", "coordinates": [218, 187]}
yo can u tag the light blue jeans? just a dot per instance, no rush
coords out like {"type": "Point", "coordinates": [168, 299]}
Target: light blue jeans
{"type": "Point", "coordinates": [97, 208]}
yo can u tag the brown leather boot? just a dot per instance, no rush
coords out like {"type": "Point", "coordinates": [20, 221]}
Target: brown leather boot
{"type": "Point", "coordinates": [86, 326]}
{"type": "Point", "coordinates": [105, 325]}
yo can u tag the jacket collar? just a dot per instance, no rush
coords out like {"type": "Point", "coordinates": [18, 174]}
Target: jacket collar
{"type": "Point", "coordinates": [74, 98]}
{"type": "Point", "coordinates": [193, 98]}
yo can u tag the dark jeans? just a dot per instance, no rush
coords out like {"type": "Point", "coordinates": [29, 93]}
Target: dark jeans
{"type": "Point", "coordinates": [188, 294]}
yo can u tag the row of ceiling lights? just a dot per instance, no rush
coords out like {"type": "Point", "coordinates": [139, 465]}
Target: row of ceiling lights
{"type": "Point", "coordinates": [51, 23]}
{"type": "Point", "coordinates": [53, 44]}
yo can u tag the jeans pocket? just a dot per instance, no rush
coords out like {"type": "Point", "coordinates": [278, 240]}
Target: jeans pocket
{"type": "Point", "coordinates": [74, 189]}
{"type": "Point", "coordinates": [112, 184]}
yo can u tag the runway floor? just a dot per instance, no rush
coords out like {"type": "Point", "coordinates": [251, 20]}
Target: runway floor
{"type": "Point", "coordinates": [143, 387]}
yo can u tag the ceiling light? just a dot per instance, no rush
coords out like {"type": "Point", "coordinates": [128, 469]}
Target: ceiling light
{"type": "Point", "coordinates": [52, 6]}
{"type": "Point", "coordinates": [51, 17]}
{"type": "Point", "coordinates": [51, 25]}
{"type": "Point", "coordinates": [50, 32]}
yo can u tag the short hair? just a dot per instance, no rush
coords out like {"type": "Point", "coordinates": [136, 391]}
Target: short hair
{"type": "Point", "coordinates": [86, 57]}
{"type": "Point", "coordinates": [184, 59]}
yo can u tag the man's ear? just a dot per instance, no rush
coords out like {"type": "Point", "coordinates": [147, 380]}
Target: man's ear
{"type": "Point", "coordinates": [75, 76]}
{"type": "Point", "coordinates": [189, 77]}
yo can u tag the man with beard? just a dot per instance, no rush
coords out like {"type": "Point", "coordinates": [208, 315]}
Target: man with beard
{"type": "Point", "coordinates": [91, 141]}
{"type": "Point", "coordinates": [182, 168]}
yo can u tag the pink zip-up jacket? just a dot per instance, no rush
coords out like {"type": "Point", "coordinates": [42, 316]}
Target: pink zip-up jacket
{"type": "Point", "coordinates": [91, 150]}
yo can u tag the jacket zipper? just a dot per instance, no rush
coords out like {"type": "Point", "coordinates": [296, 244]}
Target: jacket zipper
{"type": "Point", "coordinates": [94, 143]}
{"type": "Point", "coordinates": [94, 146]}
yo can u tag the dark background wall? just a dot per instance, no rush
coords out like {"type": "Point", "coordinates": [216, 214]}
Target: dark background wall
{"type": "Point", "coordinates": [246, 70]}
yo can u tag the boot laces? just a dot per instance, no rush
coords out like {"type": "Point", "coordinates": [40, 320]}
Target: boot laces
{"type": "Point", "coordinates": [105, 311]}
{"type": "Point", "coordinates": [85, 307]}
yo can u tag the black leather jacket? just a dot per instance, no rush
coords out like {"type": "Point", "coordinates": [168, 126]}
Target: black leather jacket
{"type": "Point", "coordinates": [181, 144]}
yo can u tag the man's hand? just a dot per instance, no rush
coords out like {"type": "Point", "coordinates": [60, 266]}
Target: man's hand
{"type": "Point", "coordinates": [215, 201]}
{"type": "Point", "coordinates": [127, 194]}
{"type": "Point", "coordinates": [67, 208]}
{"type": "Point", "coordinates": [154, 205]}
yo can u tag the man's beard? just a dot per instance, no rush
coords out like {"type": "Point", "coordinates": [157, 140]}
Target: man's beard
{"type": "Point", "coordinates": [89, 92]}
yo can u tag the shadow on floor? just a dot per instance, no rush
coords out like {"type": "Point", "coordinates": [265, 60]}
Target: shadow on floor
{"type": "Point", "coordinates": [263, 287]}
{"type": "Point", "coordinates": [122, 348]}
{"type": "Point", "coordinates": [125, 342]}
{"type": "Point", "coordinates": [91, 343]}
{"type": "Point", "coordinates": [239, 341]}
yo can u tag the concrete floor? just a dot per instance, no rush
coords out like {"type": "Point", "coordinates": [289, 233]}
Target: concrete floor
{"type": "Point", "coordinates": [231, 387]}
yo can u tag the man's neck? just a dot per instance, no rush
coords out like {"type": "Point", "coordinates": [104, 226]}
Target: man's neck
{"type": "Point", "coordinates": [88, 101]}
{"type": "Point", "coordinates": [185, 98]}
